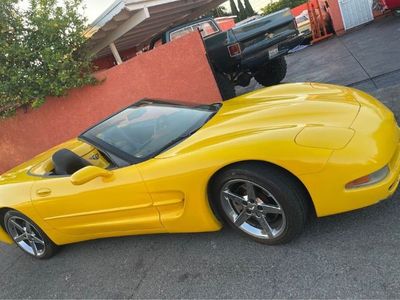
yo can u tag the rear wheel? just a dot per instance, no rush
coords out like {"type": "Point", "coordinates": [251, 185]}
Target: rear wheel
{"type": "Point", "coordinates": [272, 73]}
{"type": "Point", "coordinates": [28, 236]}
{"type": "Point", "coordinates": [265, 204]}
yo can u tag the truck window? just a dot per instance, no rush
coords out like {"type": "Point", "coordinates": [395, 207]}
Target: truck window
{"type": "Point", "coordinates": [206, 28]}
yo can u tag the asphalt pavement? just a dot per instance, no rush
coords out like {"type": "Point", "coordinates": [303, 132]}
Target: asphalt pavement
{"type": "Point", "coordinates": [352, 255]}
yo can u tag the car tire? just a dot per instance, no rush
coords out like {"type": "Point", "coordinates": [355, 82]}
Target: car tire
{"type": "Point", "coordinates": [272, 73]}
{"type": "Point", "coordinates": [274, 213]}
{"type": "Point", "coordinates": [28, 236]}
{"type": "Point", "coordinates": [226, 87]}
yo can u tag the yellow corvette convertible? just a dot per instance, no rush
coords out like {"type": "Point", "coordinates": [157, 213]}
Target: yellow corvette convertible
{"type": "Point", "coordinates": [260, 163]}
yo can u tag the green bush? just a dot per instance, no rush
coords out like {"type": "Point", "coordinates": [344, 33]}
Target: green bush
{"type": "Point", "coordinates": [42, 52]}
{"type": "Point", "coordinates": [281, 4]}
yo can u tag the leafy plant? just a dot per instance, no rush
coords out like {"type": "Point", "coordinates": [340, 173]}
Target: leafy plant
{"type": "Point", "coordinates": [234, 9]}
{"type": "Point", "coordinates": [242, 11]}
{"type": "Point", "coordinates": [42, 52]}
{"type": "Point", "coordinates": [220, 11]}
{"type": "Point", "coordinates": [249, 9]}
{"type": "Point", "coordinates": [281, 4]}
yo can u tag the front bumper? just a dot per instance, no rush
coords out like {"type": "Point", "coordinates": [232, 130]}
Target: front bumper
{"type": "Point", "coordinates": [330, 196]}
{"type": "Point", "coordinates": [376, 144]}
{"type": "Point", "coordinates": [369, 195]}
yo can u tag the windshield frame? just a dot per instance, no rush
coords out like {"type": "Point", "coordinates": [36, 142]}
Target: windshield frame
{"type": "Point", "coordinates": [130, 159]}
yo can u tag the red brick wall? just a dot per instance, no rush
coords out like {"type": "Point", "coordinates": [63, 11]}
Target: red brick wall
{"type": "Point", "coordinates": [178, 70]}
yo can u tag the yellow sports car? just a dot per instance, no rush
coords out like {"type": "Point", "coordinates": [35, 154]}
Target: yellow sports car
{"type": "Point", "coordinates": [260, 163]}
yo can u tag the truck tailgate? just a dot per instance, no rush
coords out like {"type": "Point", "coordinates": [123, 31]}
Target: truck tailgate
{"type": "Point", "coordinates": [277, 29]}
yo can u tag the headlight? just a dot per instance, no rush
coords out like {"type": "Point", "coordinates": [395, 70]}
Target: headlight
{"type": "Point", "coordinates": [369, 179]}
{"type": "Point", "coordinates": [333, 138]}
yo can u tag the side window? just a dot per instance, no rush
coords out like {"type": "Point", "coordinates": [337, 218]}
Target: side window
{"type": "Point", "coordinates": [206, 28]}
{"type": "Point", "coordinates": [181, 32]}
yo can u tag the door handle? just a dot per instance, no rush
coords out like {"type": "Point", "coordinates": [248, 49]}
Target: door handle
{"type": "Point", "coordinates": [43, 192]}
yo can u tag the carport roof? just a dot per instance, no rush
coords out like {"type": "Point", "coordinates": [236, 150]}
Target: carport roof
{"type": "Point", "coordinates": [130, 23]}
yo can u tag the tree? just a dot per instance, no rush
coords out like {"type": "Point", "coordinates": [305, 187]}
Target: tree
{"type": "Point", "coordinates": [42, 52]}
{"type": "Point", "coordinates": [249, 9]}
{"type": "Point", "coordinates": [242, 11]}
{"type": "Point", "coordinates": [234, 9]}
{"type": "Point", "coordinates": [281, 4]}
{"type": "Point", "coordinates": [220, 11]}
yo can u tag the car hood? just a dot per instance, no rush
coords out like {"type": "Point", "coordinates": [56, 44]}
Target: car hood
{"type": "Point", "coordinates": [281, 106]}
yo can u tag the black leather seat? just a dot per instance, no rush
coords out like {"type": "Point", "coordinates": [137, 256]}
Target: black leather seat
{"type": "Point", "coordinates": [67, 162]}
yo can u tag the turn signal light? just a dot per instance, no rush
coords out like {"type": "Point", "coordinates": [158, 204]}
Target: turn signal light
{"type": "Point", "coordinates": [369, 179]}
{"type": "Point", "coordinates": [234, 50]}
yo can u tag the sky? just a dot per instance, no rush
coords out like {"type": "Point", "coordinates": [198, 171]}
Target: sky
{"type": "Point", "coordinates": [94, 8]}
{"type": "Point", "coordinates": [256, 4]}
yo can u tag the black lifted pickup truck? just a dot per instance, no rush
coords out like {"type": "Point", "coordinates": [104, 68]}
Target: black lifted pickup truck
{"type": "Point", "coordinates": [254, 48]}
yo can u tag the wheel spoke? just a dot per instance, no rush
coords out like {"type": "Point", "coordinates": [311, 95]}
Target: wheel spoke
{"type": "Point", "coordinates": [37, 240]}
{"type": "Point", "coordinates": [16, 225]}
{"type": "Point", "coordinates": [28, 227]}
{"type": "Point", "coordinates": [252, 208]}
{"type": "Point", "coordinates": [265, 226]}
{"type": "Point", "coordinates": [34, 248]}
{"type": "Point", "coordinates": [250, 191]}
{"type": "Point", "coordinates": [270, 209]}
{"type": "Point", "coordinates": [235, 198]}
{"type": "Point", "coordinates": [241, 218]}
{"type": "Point", "coordinates": [20, 238]}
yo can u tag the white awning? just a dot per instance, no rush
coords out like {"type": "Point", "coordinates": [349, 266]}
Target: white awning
{"type": "Point", "coordinates": [133, 23]}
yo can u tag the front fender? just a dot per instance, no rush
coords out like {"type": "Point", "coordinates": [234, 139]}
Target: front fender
{"type": "Point", "coordinates": [4, 237]}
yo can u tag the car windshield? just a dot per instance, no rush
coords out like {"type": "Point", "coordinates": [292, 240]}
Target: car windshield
{"type": "Point", "coordinates": [146, 129]}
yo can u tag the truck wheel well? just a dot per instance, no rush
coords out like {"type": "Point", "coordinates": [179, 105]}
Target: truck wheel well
{"type": "Point", "coordinates": [266, 165]}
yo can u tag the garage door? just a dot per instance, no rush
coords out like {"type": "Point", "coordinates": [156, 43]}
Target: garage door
{"type": "Point", "coordinates": [355, 12]}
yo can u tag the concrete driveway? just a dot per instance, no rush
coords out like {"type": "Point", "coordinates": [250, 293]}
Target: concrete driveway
{"type": "Point", "coordinates": [353, 255]}
{"type": "Point", "coordinates": [368, 59]}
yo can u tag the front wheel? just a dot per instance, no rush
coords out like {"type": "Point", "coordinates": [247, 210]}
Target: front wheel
{"type": "Point", "coordinates": [272, 73]}
{"type": "Point", "coordinates": [28, 236]}
{"type": "Point", "coordinates": [265, 204]}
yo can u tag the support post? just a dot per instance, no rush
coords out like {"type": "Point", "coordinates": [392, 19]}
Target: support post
{"type": "Point", "coordinates": [114, 51]}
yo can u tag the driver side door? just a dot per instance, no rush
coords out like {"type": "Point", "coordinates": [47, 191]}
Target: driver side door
{"type": "Point", "coordinates": [102, 206]}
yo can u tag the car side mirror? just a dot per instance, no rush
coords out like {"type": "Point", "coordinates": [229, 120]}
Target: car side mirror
{"type": "Point", "coordinates": [88, 174]}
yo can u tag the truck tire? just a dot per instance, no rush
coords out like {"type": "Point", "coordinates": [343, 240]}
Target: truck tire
{"type": "Point", "coordinates": [226, 87]}
{"type": "Point", "coordinates": [272, 73]}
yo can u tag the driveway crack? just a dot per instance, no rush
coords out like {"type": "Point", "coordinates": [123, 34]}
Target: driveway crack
{"type": "Point", "coordinates": [356, 59]}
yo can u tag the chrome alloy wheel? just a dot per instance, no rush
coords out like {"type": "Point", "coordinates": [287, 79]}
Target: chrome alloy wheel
{"type": "Point", "coordinates": [26, 236]}
{"type": "Point", "coordinates": [253, 209]}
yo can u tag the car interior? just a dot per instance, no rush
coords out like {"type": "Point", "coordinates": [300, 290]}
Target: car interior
{"type": "Point", "coordinates": [67, 162]}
